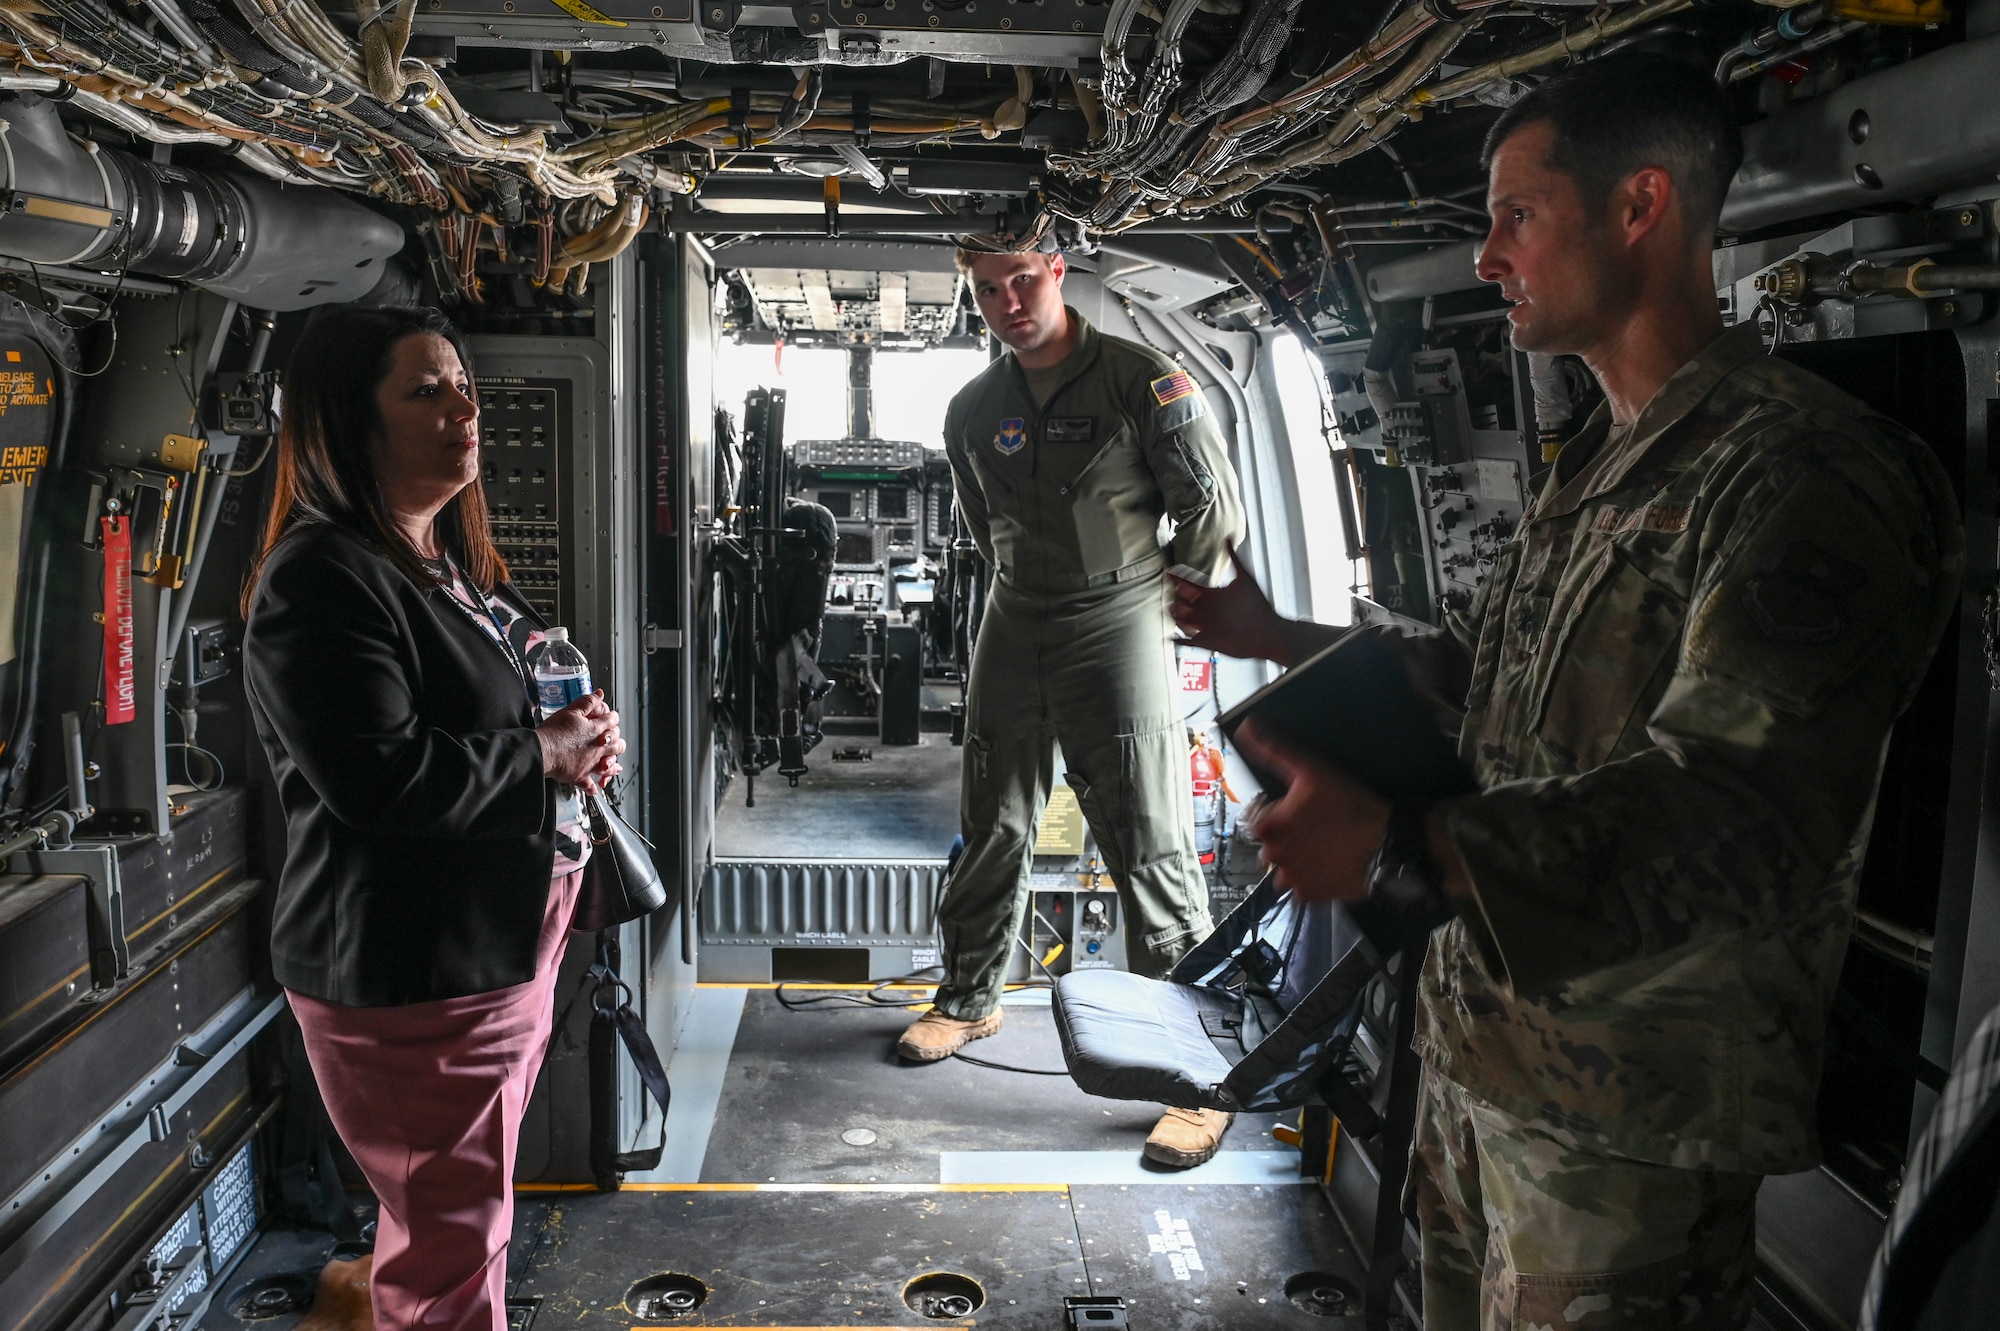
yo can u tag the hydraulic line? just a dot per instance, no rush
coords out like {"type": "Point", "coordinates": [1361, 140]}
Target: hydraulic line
{"type": "Point", "coordinates": [1750, 67]}
{"type": "Point", "coordinates": [1792, 25]}
{"type": "Point", "coordinates": [385, 35]}
{"type": "Point", "coordinates": [1377, 113]}
{"type": "Point", "coordinates": [1574, 41]}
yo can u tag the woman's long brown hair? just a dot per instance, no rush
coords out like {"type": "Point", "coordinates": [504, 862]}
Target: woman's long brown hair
{"type": "Point", "coordinates": [326, 472]}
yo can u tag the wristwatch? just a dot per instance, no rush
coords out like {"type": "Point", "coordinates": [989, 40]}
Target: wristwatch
{"type": "Point", "coordinates": [1406, 897]}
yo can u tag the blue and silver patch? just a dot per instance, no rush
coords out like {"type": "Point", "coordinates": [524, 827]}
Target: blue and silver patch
{"type": "Point", "coordinates": [1013, 434]}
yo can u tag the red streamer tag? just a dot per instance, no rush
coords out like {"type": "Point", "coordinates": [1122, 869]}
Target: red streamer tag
{"type": "Point", "coordinates": [120, 694]}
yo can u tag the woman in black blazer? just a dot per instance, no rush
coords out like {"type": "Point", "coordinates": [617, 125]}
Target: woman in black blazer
{"type": "Point", "coordinates": [435, 839]}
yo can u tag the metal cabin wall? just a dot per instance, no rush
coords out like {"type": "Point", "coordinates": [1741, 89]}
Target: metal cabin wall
{"type": "Point", "coordinates": [597, 481]}
{"type": "Point", "coordinates": [749, 907]}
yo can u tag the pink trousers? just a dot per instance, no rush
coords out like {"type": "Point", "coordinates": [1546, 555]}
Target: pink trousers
{"type": "Point", "coordinates": [429, 1098]}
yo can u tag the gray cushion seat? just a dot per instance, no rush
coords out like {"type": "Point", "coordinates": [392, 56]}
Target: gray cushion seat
{"type": "Point", "coordinates": [1129, 1038]}
{"type": "Point", "coordinates": [1298, 976]}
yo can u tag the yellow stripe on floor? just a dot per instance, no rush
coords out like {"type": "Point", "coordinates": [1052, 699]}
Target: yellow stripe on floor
{"type": "Point", "coordinates": [800, 1187]}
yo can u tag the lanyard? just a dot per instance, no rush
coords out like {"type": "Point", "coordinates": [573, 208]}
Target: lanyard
{"type": "Point", "coordinates": [499, 630]}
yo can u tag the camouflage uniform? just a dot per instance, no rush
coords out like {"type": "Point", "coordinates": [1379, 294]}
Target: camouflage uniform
{"type": "Point", "coordinates": [1066, 501]}
{"type": "Point", "coordinates": [1683, 672]}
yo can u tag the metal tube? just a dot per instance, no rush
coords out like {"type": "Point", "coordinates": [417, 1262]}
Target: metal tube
{"type": "Point", "coordinates": [79, 796]}
{"type": "Point", "coordinates": [211, 510]}
{"type": "Point", "coordinates": [174, 21]}
{"type": "Point", "coordinates": [814, 224]}
{"type": "Point", "coordinates": [1956, 277]}
{"type": "Point", "coordinates": [1754, 65]}
{"type": "Point", "coordinates": [1431, 273]}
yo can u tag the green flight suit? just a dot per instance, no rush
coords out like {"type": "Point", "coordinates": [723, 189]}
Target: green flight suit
{"type": "Point", "coordinates": [1067, 502]}
{"type": "Point", "coordinates": [1680, 681]}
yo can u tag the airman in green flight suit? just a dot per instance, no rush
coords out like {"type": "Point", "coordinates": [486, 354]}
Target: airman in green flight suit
{"type": "Point", "coordinates": [1083, 465]}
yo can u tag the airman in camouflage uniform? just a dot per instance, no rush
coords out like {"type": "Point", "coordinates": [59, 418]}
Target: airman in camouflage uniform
{"type": "Point", "coordinates": [1682, 679]}
{"type": "Point", "coordinates": [1679, 680]}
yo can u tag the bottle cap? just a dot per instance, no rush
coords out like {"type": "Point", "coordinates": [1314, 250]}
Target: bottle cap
{"type": "Point", "coordinates": [557, 634]}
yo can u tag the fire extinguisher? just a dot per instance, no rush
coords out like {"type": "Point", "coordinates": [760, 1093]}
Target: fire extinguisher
{"type": "Point", "coordinates": [1210, 790]}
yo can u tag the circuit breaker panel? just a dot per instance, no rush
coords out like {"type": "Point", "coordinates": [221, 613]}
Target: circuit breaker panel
{"type": "Point", "coordinates": [1443, 475]}
{"type": "Point", "coordinates": [1470, 472]}
{"type": "Point", "coordinates": [525, 440]}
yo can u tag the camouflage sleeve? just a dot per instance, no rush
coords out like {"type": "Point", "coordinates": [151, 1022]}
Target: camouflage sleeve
{"type": "Point", "coordinates": [966, 494]}
{"type": "Point", "coordinates": [1823, 586]}
{"type": "Point", "coordinates": [1190, 460]}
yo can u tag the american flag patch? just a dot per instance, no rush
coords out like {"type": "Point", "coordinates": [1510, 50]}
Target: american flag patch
{"type": "Point", "coordinates": [1172, 387]}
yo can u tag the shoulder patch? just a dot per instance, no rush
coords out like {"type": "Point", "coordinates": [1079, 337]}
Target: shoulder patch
{"type": "Point", "coordinates": [1170, 388]}
{"type": "Point", "coordinates": [1181, 411]}
{"type": "Point", "coordinates": [1804, 597]}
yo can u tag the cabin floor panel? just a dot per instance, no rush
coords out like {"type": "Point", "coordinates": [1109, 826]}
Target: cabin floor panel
{"type": "Point", "coordinates": [806, 1259]}
{"type": "Point", "coordinates": [1238, 1248]}
{"type": "Point", "coordinates": [798, 1080]}
{"type": "Point", "coordinates": [902, 804]}
{"type": "Point", "coordinates": [839, 1258]}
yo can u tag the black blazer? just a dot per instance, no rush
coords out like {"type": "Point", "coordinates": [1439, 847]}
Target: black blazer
{"type": "Point", "coordinates": [421, 828]}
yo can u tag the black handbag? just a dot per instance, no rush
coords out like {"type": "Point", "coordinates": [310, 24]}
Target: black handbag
{"type": "Point", "coordinates": [620, 881]}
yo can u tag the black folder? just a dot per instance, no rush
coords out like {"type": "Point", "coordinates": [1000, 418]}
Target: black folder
{"type": "Point", "coordinates": [1354, 706]}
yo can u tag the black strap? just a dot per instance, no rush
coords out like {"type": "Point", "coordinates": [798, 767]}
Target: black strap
{"type": "Point", "coordinates": [739, 118]}
{"type": "Point", "coordinates": [613, 1022]}
{"type": "Point", "coordinates": [860, 116]}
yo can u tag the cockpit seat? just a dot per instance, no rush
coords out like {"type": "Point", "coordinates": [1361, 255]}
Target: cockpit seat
{"type": "Point", "coordinates": [1251, 1019]}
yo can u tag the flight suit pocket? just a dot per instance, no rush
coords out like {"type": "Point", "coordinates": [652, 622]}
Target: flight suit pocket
{"type": "Point", "coordinates": [1100, 466]}
{"type": "Point", "coordinates": [1134, 790]}
{"type": "Point", "coordinates": [979, 784]}
{"type": "Point", "coordinates": [1113, 522]}
{"type": "Point", "coordinates": [1185, 480]}
{"type": "Point", "coordinates": [1607, 641]}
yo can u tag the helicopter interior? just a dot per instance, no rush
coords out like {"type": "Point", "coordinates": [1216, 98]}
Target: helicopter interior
{"type": "Point", "coordinates": [619, 201]}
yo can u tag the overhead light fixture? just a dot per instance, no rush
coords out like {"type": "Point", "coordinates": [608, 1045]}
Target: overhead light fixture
{"type": "Point", "coordinates": [813, 166]}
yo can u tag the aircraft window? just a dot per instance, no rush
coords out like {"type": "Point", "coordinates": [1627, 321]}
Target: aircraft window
{"type": "Point", "coordinates": [912, 388]}
{"type": "Point", "coordinates": [814, 380]}
{"type": "Point", "coordinates": [1299, 387]}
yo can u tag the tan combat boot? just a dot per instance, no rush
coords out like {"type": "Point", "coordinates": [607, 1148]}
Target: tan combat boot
{"type": "Point", "coordinates": [342, 1302]}
{"type": "Point", "coordinates": [1184, 1138]}
{"type": "Point", "coordinates": [934, 1036]}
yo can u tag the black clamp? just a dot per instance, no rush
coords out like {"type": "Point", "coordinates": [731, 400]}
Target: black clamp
{"type": "Point", "coordinates": [739, 117]}
{"type": "Point", "coordinates": [860, 117]}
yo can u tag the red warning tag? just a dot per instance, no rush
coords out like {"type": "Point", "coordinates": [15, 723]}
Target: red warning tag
{"type": "Point", "coordinates": [120, 693]}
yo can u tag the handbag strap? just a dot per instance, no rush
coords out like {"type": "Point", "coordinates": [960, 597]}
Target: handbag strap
{"type": "Point", "coordinates": [611, 999]}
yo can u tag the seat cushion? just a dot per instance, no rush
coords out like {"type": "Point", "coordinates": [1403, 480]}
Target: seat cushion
{"type": "Point", "coordinates": [1129, 1038]}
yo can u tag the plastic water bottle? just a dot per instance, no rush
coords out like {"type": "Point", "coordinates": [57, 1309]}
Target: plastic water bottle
{"type": "Point", "coordinates": [561, 674]}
